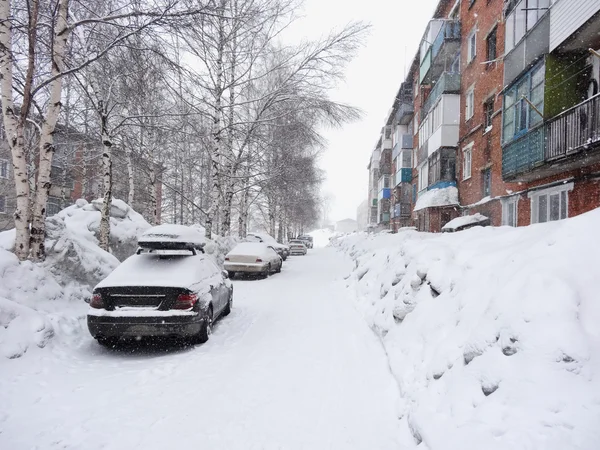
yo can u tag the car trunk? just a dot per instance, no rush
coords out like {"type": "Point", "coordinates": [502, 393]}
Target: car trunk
{"type": "Point", "coordinates": [161, 298]}
{"type": "Point", "coordinates": [245, 259]}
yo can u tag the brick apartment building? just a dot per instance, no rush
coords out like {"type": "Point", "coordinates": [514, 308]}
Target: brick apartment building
{"type": "Point", "coordinates": [76, 174]}
{"type": "Point", "coordinates": [506, 114]}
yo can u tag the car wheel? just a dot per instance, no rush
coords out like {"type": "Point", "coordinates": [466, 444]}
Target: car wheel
{"type": "Point", "coordinates": [229, 305]}
{"type": "Point", "coordinates": [278, 270]}
{"type": "Point", "coordinates": [206, 329]}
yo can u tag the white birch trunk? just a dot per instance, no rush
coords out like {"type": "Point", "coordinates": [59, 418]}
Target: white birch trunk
{"type": "Point", "coordinates": [153, 199]}
{"type": "Point", "coordinates": [38, 225]}
{"type": "Point", "coordinates": [106, 185]}
{"type": "Point", "coordinates": [14, 130]}
{"type": "Point", "coordinates": [131, 194]}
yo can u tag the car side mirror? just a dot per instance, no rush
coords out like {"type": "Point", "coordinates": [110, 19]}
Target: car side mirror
{"type": "Point", "coordinates": [225, 274]}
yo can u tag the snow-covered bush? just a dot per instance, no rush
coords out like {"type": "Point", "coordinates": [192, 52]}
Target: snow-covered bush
{"type": "Point", "coordinates": [491, 333]}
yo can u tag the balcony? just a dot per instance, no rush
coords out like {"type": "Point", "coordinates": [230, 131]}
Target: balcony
{"type": "Point", "coordinates": [574, 130]}
{"type": "Point", "coordinates": [405, 142]}
{"type": "Point", "coordinates": [384, 217]}
{"type": "Point", "coordinates": [403, 175]}
{"type": "Point", "coordinates": [448, 83]}
{"type": "Point", "coordinates": [523, 154]}
{"type": "Point", "coordinates": [444, 46]}
{"type": "Point", "coordinates": [565, 142]}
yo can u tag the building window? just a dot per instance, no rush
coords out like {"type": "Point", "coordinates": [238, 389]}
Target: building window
{"type": "Point", "coordinates": [522, 16]}
{"type": "Point", "coordinates": [550, 204]}
{"type": "Point", "coordinates": [510, 211]}
{"type": "Point", "coordinates": [487, 182]}
{"type": "Point", "coordinates": [3, 168]}
{"type": "Point", "coordinates": [442, 166]}
{"type": "Point", "coordinates": [488, 112]}
{"type": "Point", "coordinates": [53, 206]}
{"type": "Point", "coordinates": [2, 204]}
{"type": "Point", "coordinates": [423, 175]}
{"type": "Point", "coordinates": [470, 103]}
{"type": "Point", "coordinates": [467, 156]}
{"type": "Point", "coordinates": [472, 45]}
{"type": "Point", "coordinates": [519, 115]}
{"type": "Point", "coordinates": [491, 45]}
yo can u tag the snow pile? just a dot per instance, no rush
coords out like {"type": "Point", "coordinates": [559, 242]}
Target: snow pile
{"type": "Point", "coordinates": [492, 333]}
{"type": "Point", "coordinates": [465, 221]}
{"type": "Point", "coordinates": [447, 196]}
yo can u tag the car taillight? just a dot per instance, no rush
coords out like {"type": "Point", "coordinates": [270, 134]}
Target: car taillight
{"type": "Point", "coordinates": [259, 260]}
{"type": "Point", "coordinates": [185, 301]}
{"type": "Point", "coordinates": [226, 259]}
{"type": "Point", "coordinates": [97, 301]}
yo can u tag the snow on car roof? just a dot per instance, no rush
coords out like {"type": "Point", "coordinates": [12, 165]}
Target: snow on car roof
{"type": "Point", "coordinates": [249, 249]}
{"type": "Point", "coordinates": [447, 196]}
{"type": "Point", "coordinates": [173, 233]}
{"type": "Point", "coordinates": [465, 220]}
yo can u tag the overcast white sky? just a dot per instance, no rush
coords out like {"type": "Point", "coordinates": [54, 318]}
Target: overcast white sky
{"type": "Point", "coordinates": [372, 80]}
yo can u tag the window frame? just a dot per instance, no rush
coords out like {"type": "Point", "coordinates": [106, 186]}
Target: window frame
{"type": "Point", "coordinates": [492, 34]}
{"type": "Point", "coordinates": [486, 175]}
{"type": "Point", "coordinates": [472, 45]}
{"type": "Point", "coordinates": [488, 113]}
{"type": "Point", "coordinates": [4, 162]}
{"type": "Point", "coordinates": [470, 103]}
{"type": "Point", "coordinates": [467, 150]}
{"type": "Point", "coordinates": [536, 196]}
{"type": "Point", "coordinates": [511, 202]}
{"type": "Point", "coordinates": [3, 204]}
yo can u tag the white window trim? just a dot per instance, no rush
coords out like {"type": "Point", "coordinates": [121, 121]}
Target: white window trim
{"type": "Point", "coordinates": [2, 160]}
{"type": "Point", "coordinates": [534, 195]}
{"type": "Point", "coordinates": [472, 50]}
{"type": "Point", "coordinates": [470, 109]}
{"type": "Point", "coordinates": [468, 148]}
{"type": "Point", "coordinates": [505, 203]}
{"type": "Point", "coordinates": [423, 180]}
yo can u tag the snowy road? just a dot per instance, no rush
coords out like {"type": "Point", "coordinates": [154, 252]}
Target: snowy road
{"type": "Point", "coordinates": [293, 367]}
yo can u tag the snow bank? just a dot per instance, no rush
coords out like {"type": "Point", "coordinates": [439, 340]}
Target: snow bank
{"type": "Point", "coordinates": [321, 237]}
{"type": "Point", "coordinates": [447, 196]}
{"type": "Point", "coordinates": [491, 333]}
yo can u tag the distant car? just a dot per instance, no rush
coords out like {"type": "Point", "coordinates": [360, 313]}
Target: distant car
{"type": "Point", "coordinates": [168, 288]}
{"type": "Point", "coordinates": [281, 249]}
{"type": "Point", "coordinates": [308, 240]}
{"type": "Point", "coordinates": [253, 257]}
{"type": "Point", "coordinates": [298, 247]}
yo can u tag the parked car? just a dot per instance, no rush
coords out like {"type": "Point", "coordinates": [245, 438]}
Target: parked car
{"type": "Point", "coordinates": [168, 288]}
{"type": "Point", "coordinates": [281, 249]}
{"type": "Point", "coordinates": [253, 257]}
{"type": "Point", "coordinates": [298, 247]}
{"type": "Point", "coordinates": [308, 240]}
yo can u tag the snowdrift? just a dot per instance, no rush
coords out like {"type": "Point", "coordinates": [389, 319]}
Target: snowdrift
{"type": "Point", "coordinates": [491, 333]}
{"type": "Point", "coordinates": [45, 302]}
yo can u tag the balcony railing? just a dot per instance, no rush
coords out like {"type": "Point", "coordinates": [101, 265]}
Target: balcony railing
{"type": "Point", "coordinates": [569, 133]}
{"type": "Point", "coordinates": [402, 210]}
{"type": "Point", "coordinates": [403, 176]}
{"type": "Point", "coordinates": [573, 130]}
{"type": "Point", "coordinates": [405, 112]}
{"type": "Point", "coordinates": [449, 32]}
{"type": "Point", "coordinates": [448, 83]}
{"type": "Point", "coordinates": [524, 153]}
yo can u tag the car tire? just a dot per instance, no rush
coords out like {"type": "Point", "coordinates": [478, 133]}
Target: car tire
{"type": "Point", "coordinates": [206, 329]}
{"type": "Point", "coordinates": [278, 270]}
{"type": "Point", "coordinates": [229, 305]}
{"type": "Point", "coordinates": [267, 272]}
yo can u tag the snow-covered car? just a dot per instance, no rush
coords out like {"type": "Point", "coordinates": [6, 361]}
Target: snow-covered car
{"type": "Point", "coordinates": [308, 240]}
{"type": "Point", "coordinates": [281, 249]}
{"type": "Point", "coordinates": [298, 248]}
{"type": "Point", "coordinates": [253, 257]}
{"type": "Point", "coordinates": [169, 287]}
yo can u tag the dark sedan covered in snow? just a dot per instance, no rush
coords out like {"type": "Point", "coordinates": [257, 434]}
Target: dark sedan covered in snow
{"type": "Point", "coordinates": [168, 288]}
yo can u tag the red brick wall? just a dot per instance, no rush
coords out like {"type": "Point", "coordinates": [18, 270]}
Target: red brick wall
{"type": "Point", "coordinates": [487, 81]}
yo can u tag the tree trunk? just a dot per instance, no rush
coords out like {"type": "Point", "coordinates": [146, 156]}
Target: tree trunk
{"type": "Point", "coordinates": [106, 183]}
{"type": "Point", "coordinates": [38, 225]}
{"type": "Point", "coordinates": [153, 200]}
{"type": "Point", "coordinates": [14, 134]}
{"type": "Point", "coordinates": [131, 194]}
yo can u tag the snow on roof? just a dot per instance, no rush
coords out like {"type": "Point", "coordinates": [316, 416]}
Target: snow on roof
{"type": "Point", "coordinates": [464, 221]}
{"type": "Point", "coordinates": [173, 233]}
{"type": "Point", "coordinates": [437, 197]}
{"type": "Point", "coordinates": [249, 249]}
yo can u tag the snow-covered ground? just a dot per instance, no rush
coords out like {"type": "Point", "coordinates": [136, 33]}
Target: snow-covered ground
{"type": "Point", "coordinates": [492, 333]}
{"type": "Point", "coordinates": [293, 367]}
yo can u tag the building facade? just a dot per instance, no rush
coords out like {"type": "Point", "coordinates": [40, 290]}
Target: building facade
{"type": "Point", "coordinates": [505, 114]}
